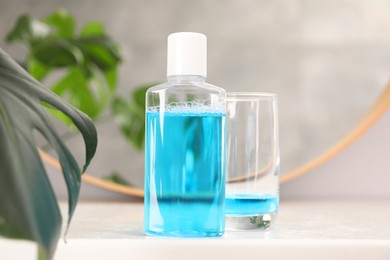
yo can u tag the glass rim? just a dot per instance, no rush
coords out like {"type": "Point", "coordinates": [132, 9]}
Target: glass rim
{"type": "Point", "coordinates": [250, 95]}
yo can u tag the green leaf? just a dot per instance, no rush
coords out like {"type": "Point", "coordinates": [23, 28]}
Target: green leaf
{"type": "Point", "coordinates": [62, 22]}
{"type": "Point", "coordinates": [28, 207]}
{"type": "Point", "coordinates": [60, 49]}
{"type": "Point", "coordinates": [139, 93]}
{"type": "Point", "coordinates": [92, 29]}
{"type": "Point", "coordinates": [28, 31]}
{"type": "Point", "coordinates": [37, 69]}
{"type": "Point", "coordinates": [74, 88]}
{"type": "Point", "coordinates": [130, 116]}
{"type": "Point", "coordinates": [57, 53]}
{"type": "Point", "coordinates": [116, 178]}
{"type": "Point", "coordinates": [111, 77]}
{"type": "Point", "coordinates": [101, 85]}
{"type": "Point", "coordinates": [100, 50]}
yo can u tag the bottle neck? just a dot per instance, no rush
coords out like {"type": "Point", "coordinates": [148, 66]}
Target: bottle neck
{"type": "Point", "coordinates": [186, 78]}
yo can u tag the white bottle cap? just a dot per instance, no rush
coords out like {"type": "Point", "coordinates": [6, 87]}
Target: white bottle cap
{"type": "Point", "coordinates": [187, 54]}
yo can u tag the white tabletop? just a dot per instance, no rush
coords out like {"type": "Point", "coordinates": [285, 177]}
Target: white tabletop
{"type": "Point", "coordinates": [305, 230]}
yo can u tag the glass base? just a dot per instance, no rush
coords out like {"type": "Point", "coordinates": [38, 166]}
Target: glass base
{"type": "Point", "coordinates": [262, 222]}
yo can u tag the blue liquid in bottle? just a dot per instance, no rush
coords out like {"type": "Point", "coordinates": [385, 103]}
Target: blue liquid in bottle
{"type": "Point", "coordinates": [184, 174]}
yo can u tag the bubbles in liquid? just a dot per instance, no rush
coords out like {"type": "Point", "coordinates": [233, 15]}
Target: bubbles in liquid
{"type": "Point", "coordinates": [196, 106]}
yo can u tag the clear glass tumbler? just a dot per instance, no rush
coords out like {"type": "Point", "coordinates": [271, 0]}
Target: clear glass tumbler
{"type": "Point", "coordinates": [252, 161]}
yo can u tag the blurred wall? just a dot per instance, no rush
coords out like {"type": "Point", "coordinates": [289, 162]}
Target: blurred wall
{"type": "Point", "coordinates": [361, 171]}
{"type": "Point", "coordinates": [327, 60]}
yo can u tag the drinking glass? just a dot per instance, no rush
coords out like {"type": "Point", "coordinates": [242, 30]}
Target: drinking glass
{"type": "Point", "coordinates": [252, 161]}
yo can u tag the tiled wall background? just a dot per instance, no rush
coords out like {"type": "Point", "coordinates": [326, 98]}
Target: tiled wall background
{"type": "Point", "coordinates": [327, 60]}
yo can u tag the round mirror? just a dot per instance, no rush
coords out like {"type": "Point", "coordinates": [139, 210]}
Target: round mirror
{"type": "Point", "coordinates": [328, 63]}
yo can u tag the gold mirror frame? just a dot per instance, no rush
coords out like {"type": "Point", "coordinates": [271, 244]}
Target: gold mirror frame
{"type": "Point", "coordinates": [381, 105]}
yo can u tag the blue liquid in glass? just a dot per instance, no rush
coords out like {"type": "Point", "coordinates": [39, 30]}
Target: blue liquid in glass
{"type": "Point", "coordinates": [250, 205]}
{"type": "Point", "coordinates": [184, 174]}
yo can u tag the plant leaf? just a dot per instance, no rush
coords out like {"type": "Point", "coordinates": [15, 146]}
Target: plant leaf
{"type": "Point", "coordinates": [54, 47]}
{"type": "Point", "coordinates": [28, 207]}
{"type": "Point", "coordinates": [57, 53]}
{"type": "Point", "coordinates": [92, 29]}
{"type": "Point", "coordinates": [37, 69]}
{"type": "Point", "coordinates": [100, 50]}
{"type": "Point", "coordinates": [62, 22]}
{"type": "Point", "coordinates": [130, 116]}
{"type": "Point", "coordinates": [117, 178]}
{"type": "Point", "coordinates": [90, 93]}
{"type": "Point", "coordinates": [28, 31]}
{"type": "Point", "coordinates": [111, 77]}
{"type": "Point", "coordinates": [74, 87]}
{"type": "Point", "coordinates": [138, 95]}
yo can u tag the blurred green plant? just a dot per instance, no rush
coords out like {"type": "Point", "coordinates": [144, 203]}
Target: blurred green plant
{"type": "Point", "coordinates": [116, 177]}
{"type": "Point", "coordinates": [28, 205]}
{"type": "Point", "coordinates": [130, 115]}
{"type": "Point", "coordinates": [81, 67]}
{"type": "Point", "coordinates": [87, 61]}
{"type": "Point", "coordinates": [84, 66]}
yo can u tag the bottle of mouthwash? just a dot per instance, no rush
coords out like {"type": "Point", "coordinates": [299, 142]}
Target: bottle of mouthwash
{"type": "Point", "coordinates": [185, 146]}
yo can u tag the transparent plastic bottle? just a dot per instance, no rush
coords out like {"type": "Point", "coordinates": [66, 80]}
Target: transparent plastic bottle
{"type": "Point", "coordinates": [185, 146]}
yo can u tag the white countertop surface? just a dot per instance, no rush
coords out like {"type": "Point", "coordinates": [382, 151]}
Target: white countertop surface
{"type": "Point", "coordinates": [305, 230]}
